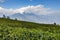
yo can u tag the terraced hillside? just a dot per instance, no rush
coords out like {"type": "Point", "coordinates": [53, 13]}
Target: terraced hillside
{"type": "Point", "coordinates": [22, 30]}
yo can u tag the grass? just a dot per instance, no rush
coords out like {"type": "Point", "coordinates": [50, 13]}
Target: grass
{"type": "Point", "coordinates": [22, 30]}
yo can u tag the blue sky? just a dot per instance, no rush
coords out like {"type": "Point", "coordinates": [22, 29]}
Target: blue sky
{"type": "Point", "coordinates": [55, 4]}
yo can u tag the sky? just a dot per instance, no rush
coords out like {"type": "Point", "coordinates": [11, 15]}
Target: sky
{"type": "Point", "coordinates": [33, 6]}
{"type": "Point", "coordinates": [55, 4]}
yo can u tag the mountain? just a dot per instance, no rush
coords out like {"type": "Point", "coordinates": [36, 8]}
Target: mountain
{"type": "Point", "coordinates": [33, 17]}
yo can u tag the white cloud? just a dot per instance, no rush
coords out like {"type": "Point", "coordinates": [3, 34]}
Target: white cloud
{"type": "Point", "coordinates": [6, 11]}
{"type": "Point", "coordinates": [2, 1]}
{"type": "Point", "coordinates": [39, 10]}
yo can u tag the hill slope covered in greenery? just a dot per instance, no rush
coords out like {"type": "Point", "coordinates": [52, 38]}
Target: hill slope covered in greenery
{"type": "Point", "coordinates": [22, 30]}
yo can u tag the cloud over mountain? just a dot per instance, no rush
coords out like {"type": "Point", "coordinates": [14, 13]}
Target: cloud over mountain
{"type": "Point", "coordinates": [38, 9]}
{"type": "Point", "coordinates": [38, 13]}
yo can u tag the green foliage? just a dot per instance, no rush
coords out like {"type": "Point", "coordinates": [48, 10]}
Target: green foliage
{"type": "Point", "coordinates": [4, 16]}
{"type": "Point", "coordinates": [8, 17]}
{"type": "Point", "coordinates": [22, 30]}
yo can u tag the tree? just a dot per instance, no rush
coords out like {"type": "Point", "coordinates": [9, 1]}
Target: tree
{"type": "Point", "coordinates": [54, 23]}
{"type": "Point", "coordinates": [15, 18]}
{"type": "Point", "coordinates": [8, 17]}
{"type": "Point", "coordinates": [4, 16]}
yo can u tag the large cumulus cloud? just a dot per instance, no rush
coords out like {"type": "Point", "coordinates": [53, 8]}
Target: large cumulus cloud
{"type": "Point", "coordinates": [38, 9]}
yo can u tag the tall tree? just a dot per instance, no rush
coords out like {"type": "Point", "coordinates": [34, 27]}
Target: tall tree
{"type": "Point", "coordinates": [15, 18]}
{"type": "Point", "coordinates": [8, 17]}
{"type": "Point", "coordinates": [54, 23]}
{"type": "Point", "coordinates": [4, 16]}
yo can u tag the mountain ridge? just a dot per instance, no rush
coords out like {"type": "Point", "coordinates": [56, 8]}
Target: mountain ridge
{"type": "Point", "coordinates": [32, 17]}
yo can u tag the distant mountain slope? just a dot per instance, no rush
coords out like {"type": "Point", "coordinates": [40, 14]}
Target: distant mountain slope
{"type": "Point", "coordinates": [49, 18]}
{"type": "Point", "coordinates": [33, 17]}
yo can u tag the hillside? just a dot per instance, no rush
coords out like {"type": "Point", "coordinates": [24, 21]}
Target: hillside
{"type": "Point", "coordinates": [22, 30]}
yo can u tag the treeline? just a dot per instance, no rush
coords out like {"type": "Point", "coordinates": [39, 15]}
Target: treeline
{"type": "Point", "coordinates": [7, 17]}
